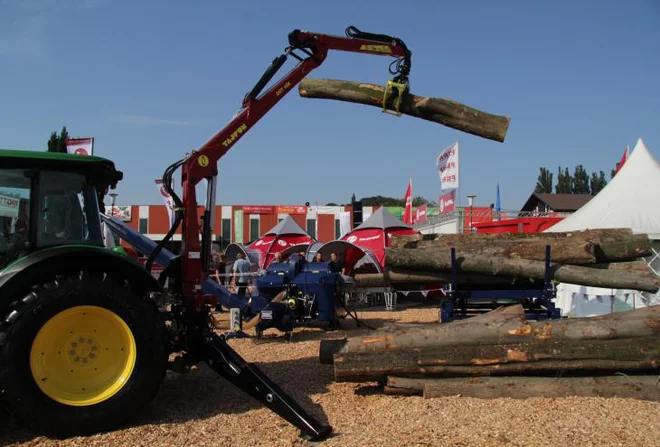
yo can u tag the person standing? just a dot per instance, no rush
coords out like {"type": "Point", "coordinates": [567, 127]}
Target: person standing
{"type": "Point", "coordinates": [242, 268]}
{"type": "Point", "coordinates": [220, 268]}
{"type": "Point", "coordinates": [336, 266]}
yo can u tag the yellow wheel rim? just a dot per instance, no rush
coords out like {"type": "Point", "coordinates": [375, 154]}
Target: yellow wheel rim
{"type": "Point", "coordinates": [83, 355]}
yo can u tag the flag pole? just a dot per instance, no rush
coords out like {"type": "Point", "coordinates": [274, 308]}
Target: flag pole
{"type": "Point", "coordinates": [410, 219]}
{"type": "Point", "coordinates": [459, 178]}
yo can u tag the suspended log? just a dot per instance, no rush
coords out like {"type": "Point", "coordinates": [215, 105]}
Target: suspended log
{"type": "Point", "coordinates": [623, 386]}
{"type": "Point", "coordinates": [430, 260]}
{"type": "Point", "coordinates": [443, 111]}
{"type": "Point", "coordinates": [505, 325]}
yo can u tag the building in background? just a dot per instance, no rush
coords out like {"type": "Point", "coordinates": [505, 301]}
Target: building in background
{"type": "Point", "coordinates": [543, 203]}
{"type": "Point", "coordinates": [240, 224]}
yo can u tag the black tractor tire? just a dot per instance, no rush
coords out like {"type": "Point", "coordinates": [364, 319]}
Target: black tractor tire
{"type": "Point", "coordinates": [29, 314]}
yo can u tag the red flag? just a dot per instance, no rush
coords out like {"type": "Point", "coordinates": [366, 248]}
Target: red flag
{"type": "Point", "coordinates": [408, 211]}
{"type": "Point", "coordinates": [619, 165]}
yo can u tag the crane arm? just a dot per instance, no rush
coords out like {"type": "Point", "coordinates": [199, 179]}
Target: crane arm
{"type": "Point", "coordinates": [310, 49]}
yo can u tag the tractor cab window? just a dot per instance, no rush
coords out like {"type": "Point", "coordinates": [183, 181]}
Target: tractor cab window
{"type": "Point", "coordinates": [14, 214]}
{"type": "Point", "coordinates": [68, 210]}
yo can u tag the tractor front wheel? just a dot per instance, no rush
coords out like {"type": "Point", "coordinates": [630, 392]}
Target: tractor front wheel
{"type": "Point", "coordinates": [81, 355]}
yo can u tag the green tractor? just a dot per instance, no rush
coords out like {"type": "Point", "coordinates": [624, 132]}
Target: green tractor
{"type": "Point", "coordinates": [82, 346]}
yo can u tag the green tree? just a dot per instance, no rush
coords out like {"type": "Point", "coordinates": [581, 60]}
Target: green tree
{"type": "Point", "coordinates": [564, 182]}
{"type": "Point", "coordinates": [58, 143]}
{"type": "Point", "coordinates": [544, 182]}
{"type": "Point", "coordinates": [391, 201]}
{"type": "Point", "coordinates": [419, 200]}
{"type": "Point", "coordinates": [598, 182]}
{"type": "Point", "coordinates": [580, 181]}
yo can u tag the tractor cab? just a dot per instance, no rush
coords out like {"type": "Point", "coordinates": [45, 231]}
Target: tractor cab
{"type": "Point", "coordinates": [50, 199]}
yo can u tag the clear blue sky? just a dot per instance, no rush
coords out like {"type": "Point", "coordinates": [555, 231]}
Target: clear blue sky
{"type": "Point", "coordinates": [580, 81]}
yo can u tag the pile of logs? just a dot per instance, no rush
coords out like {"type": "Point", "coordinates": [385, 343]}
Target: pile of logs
{"type": "Point", "coordinates": [600, 258]}
{"type": "Point", "coordinates": [485, 356]}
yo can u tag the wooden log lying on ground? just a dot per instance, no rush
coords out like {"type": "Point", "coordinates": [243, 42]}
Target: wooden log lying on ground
{"type": "Point", "coordinates": [538, 356]}
{"type": "Point", "coordinates": [403, 241]}
{"type": "Point", "coordinates": [578, 248]}
{"type": "Point", "coordinates": [564, 251]}
{"type": "Point", "coordinates": [432, 261]}
{"type": "Point", "coordinates": [631, 266]}
{"type": "Point", "coordinates": [505, 325]}
{"type": "Point", "coordinates": [390, 277]}
{"type": "Point", "coordinates": [444, 111]}
{"type": "Point", "coordinates": [624, 386]}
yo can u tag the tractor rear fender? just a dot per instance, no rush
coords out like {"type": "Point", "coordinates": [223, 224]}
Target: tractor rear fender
{"type": "Point", "coordinates": [41, 266]}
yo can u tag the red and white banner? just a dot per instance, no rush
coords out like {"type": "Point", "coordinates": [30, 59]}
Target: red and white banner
{"type": "Point", "coordinates": [257, 209]}
{"type": "Point", "coordinates": [408, 211]}
{"type": "Point", "coordinates": [121, 212]}
{"type": "Point", "coordinates": [167, 198]}
{"type": "Point", "coordinates": [420, 213]}
{"type": "Point", "coordinates": [291, 209]}
{"type": "Point", "coordinates": [9, 206]}
{"type": "Point", "coordinates": [447, 166]}
{"type": "Point", "coordinates": [620, 164]}
{"type": "Point", "coordinates": [446, 203]}
{"type": "Point", "coordinates": [80, 146]}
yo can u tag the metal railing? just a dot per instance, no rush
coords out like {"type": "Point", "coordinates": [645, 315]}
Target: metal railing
{"type": "Point", "coordinates": [480, 216]}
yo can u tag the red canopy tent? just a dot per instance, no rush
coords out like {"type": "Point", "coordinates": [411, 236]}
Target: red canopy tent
{"type": "Point", "coordinates": [374, 234]}
{"type": "Point", "coordinates": [281, 237]}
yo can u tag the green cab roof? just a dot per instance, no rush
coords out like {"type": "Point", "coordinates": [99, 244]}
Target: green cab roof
{"type": "Point", "coordinates": [101, 170]}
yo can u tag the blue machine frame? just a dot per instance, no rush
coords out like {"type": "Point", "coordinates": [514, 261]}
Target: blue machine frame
{"type": "Point", "coordinates": [313, 278]}
{"type": "Point", "coordinates": [538, 302]}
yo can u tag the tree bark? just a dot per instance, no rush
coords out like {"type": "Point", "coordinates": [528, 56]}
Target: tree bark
{"type": "Point", "coordinates": [389, 277]}
{"type": "Point", "coordinates": [444, 111]}
{"type": "Point", "coordinates": [432, 261]}
{"type": "Point", "coordinates": [624, 386]}
{"type": "Point", "coordinates": [505, 325]}
{"type": "Point", "coordinates": [536, 356]}
{"type": "Point", "coordinates": [457, 239]}
{"type": "Point", "coordinates": [631, 266]}
{"type": "Point", "coordinates": [564, 251]}
{"type": "Point", "coordinates": [578, 248]}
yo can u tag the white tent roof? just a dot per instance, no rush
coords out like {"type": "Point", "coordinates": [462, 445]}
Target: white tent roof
{"type": "Point", "coordinates": [382, 218]}
{"type": "Point", "coordinates": [630, 199]}
{"type": "Point", "coordinates": [287, 226]}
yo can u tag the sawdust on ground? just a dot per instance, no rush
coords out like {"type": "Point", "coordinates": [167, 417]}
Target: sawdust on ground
{"type": "Point", "coordinates": [202, 409]}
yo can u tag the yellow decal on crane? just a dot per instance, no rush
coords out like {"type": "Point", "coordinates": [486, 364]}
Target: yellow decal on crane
{"type": "Point", "coordinates": [281, 90]}
{"type": "Point", "coordinates": [377, 48]}
{"type": "Point", "coordinates": [203, 161]}
{"type": "Point", "coordinates": [235, 135]}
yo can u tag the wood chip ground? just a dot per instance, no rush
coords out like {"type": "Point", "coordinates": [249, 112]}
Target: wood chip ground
{"type": "Point", "coordinates": [201, 409]}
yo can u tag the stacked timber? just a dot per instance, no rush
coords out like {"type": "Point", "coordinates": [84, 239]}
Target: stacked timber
{"type": "Point", "coordinates": [599, 258]}
{"type": "Point", "coordinates": [485, 356]}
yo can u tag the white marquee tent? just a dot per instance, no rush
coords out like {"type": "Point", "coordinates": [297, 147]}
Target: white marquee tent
{"type": "Point", "coordinates": [630, 200]}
